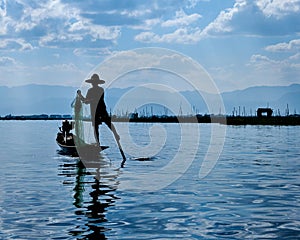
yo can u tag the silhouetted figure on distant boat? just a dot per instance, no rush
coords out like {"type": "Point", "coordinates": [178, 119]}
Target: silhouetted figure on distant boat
{"type": "Point", "coordinates": [65, 137]}
{"type": "Point", "coordinates": [66, 127]}
{"type": "Point", "coordinates": [99, 114]}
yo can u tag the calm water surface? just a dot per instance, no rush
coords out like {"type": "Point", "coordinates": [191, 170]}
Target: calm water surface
{"type": "Point", "coordinates": [253, 192]}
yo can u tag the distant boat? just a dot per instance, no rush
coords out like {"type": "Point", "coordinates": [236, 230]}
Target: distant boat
{"type": "Point", "coordinates": [66, 141]}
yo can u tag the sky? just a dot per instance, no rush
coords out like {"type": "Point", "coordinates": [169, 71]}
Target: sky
{"type": "Point", "coordinates": [240, 43]}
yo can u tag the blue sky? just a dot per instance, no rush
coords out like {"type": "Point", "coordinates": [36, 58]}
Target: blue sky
{"type": "Point", "coordinates": [240, 43]}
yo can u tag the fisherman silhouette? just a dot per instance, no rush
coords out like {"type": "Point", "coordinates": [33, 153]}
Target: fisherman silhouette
{"type": "Point", "coordinates": [99, 114]}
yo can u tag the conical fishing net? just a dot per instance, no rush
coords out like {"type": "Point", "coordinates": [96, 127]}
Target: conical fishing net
{"type": "Point", "coordinates": [83, 125]}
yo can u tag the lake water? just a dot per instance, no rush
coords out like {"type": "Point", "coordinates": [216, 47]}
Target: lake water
{"type": "Point", "coordinates": [253, 191]}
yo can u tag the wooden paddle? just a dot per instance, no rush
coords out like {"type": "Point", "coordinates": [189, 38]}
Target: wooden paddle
{"type": "Point", "coordinates": [122, 153]}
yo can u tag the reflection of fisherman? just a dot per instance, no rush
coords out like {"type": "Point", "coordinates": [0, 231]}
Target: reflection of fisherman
{"type": "Point", "coordinates": [95, 97]}
{"type": "Point", "coordinates": [101, 196]}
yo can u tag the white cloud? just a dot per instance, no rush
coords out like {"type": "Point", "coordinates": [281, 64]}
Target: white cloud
{"type": "Point", "coordinates": [44, 12]}
{"type": "Point", "coordinates": [147, 37]}
{"type": "Point", "coordinates": [193, 3]}
{"type": "Point", "coordinates": [93, 52]}
{"type": "Point", "coordinates": [278, 8]}
{"type": "Point", "coordinates": [146, 24]}
{"type": "Point", "coordinates": [96, 31]}
{"type": "Point", "coordinates": [69, 67]}
{"type": "Point", "coordinates": [59, 22]}
{"type": "Point", "coordinates": [7, 61]}
{"type": "Point", "coordinates": [3, 23]}
{"type": "Point", "coordinates": [222, 24]}
{"type": "Point", "coordinates": [260, 70]}
{"type": "Point", "coordinates": [2, 8]}
{"type": "Point", "coordinates": [181, 36]}
{"type": "Point", "coordinates": [149, 23]}
{"type": "Point", "coordinates": [260, 17]}
{"type": "Point", "coordinates": [53, 22]}
{"type": "Point", "coordinates": [285, 46]}
{"type": "Point", "coordinates": [184, 34]}
{"type": "Point", "coordinates": [295, 57]}
{"type": "Point", "coordinates": [285, 71]}
{"type": "Point", "coordinates": [4, 20]}
{"type": "Point", "coordinates": [259, 60]}
{"type": "Point", "coordinates": [182, 19]}
{"type": "Point", "coordinates": [25, 46]}
{"type": "Point", "coordinates": [62, 40]}
{"type": "Point", "coordinates": [136, 13]}
{"type": "Point", "coordinates": [15, 44]}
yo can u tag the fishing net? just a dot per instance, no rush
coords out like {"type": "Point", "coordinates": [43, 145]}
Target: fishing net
{"type": "Point", "coordinates": [83, 125]}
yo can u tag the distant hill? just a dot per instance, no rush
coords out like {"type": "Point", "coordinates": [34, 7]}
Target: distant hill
{"type": "Point", "coordinates": [276, 97]}
{"type": "Point", "coordinates": [44, 99]}
{"type": "Point", "coordinates": [36, 99]}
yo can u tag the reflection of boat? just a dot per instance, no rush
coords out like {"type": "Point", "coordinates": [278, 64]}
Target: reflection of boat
{"type": "Point", "coordinates": [66, 141]}
{"type": "Point", "coordinates": [94, 183]}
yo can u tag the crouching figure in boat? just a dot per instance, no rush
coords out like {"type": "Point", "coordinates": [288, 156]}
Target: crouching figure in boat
{"type": "Point", "coordinates": [64, 138]}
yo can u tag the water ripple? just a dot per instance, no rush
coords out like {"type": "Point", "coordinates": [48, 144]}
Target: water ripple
{"type": "Point", "coordinates": [252, 193]}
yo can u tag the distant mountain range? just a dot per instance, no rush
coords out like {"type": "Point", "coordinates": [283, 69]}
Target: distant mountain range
{"type": "Point", "coordinates": [275, 97]}
{"type": "Point", "coordinates": [36, 99]}
{"type": "Point", "coordinates": [45, 99]}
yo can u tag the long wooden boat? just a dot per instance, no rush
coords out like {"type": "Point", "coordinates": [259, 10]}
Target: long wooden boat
{"type": "Point", "coordinates": [73, 150]}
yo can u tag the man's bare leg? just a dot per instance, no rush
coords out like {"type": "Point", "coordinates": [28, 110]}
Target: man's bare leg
{"type": "Point", "coordinates": [96, 133]}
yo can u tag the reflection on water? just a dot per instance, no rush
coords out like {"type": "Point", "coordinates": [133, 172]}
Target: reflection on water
{"type": "Point", "coordinates": [252, 193]}
{"type": "Point", "coordinates": [94, 183]}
